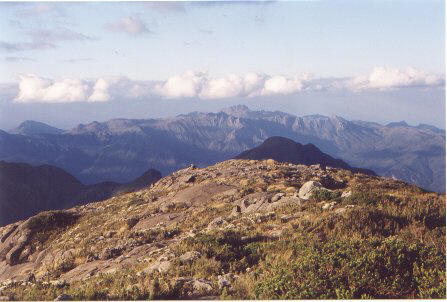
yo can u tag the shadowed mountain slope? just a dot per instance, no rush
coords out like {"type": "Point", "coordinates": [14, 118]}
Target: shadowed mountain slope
{"type": "Point", "coordinates": [35, 128]}
{"type": "Point", "coordinates": [26, 190]}
{"type": "Point", "coordinates": [285, 150]}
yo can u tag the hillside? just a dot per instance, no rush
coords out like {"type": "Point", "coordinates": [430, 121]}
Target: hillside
{"type": "Point", "coordinates": [285, 150]}
{"type": "Point", "coordinates": [35, 128]}
{"type": "Point", "coordinates": [26, 190]}
{"type": "Point", "coordinates": [241, 229]}
{"type": "Point", "coordinates": [122, 149]}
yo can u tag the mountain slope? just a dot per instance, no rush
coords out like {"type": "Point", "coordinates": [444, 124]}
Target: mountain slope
{"type": "Point", "coordinates": [35, 128]}
{"type": "Point", "coordinates": [122, 149]}
{"type": "Point", "coordinates": [285, 150]}
{"type": "Point", "coordinates": [241, 229]}
{"type": "Point", "coordinates": [26, 190]}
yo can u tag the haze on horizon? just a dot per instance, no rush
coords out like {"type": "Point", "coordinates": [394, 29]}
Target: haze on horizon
{"type": "Point", "coordinates": [70, 63]}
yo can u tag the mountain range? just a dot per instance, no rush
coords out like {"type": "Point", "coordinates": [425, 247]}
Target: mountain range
{"type": "Point", "coordinates": [122, 149]}
{"type": "Point", "coordinates": [26, 190]}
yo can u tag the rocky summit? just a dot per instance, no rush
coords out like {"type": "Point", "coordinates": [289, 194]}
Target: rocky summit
{"type": "Point", "coordinates": [241, 229]}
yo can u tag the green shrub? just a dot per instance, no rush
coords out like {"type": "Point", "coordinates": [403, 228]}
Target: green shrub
{"type": "Point", "coordinates": [364, 197]}
{"type": "Point", "coordinates": [324, 194]}
{"type": "Point", "coordinates": [353, 269]}
{"type": "Point", "coordinates": [228, 248]}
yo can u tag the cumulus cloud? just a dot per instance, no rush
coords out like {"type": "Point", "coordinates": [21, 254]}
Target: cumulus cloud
{"type": "Point", "coordinates": [384, 78]}
{"type": "Point", "coordinates": [199, 84]}
{"type": "Point", "coordinates": [33, 88]}
{"type": "Point", "coordinates": [100, 91]}
{"type": "Point", "coordinates": [188, 84]}
{"type": "Point", "coordinates": [131, 25]}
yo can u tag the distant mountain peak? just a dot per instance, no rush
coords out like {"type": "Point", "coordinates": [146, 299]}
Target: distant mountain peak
{"type": "Point", "coordinates": [237, 110]}
{"type": "Point", "coordinates": [397, 124]}
{"type": "Point", "coordinates": [30, 127]}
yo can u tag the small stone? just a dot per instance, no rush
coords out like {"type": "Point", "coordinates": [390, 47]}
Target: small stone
{"type": "Point", "coordinates": [286, 218]}
{"type": "Point", "coordinates": [346, 194]}
{"type": "Point", "coordinates": [340, 211]}
{"type": "Point", "coordinates": [217, 223]}
{"type": "Point", "coordinates": [277, 197]}
{"type": "Point", "coordinates": [224, 280]}
{"type": "Point", "coordinates": [63, 297]}
{"type": "Point", "coordinates": [189, 257]}
{"type": "Point", "coordinates": [111, 271]}
{"type": "Point", "coordinates": [329, 205]}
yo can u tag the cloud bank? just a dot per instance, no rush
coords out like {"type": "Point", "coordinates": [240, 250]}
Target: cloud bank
{"type": "Point", "coordinates": [201, 85]}
{"type": "Point", "coordinates": [385, 78]}
{"type": "Point", "coordinates": [36, 89]}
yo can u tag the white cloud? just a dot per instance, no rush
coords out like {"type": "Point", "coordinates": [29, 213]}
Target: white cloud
{"type": "Point", "coordinates": [35, 89]}
{"type": "Point", "coordinates": [225, 87]}
{"type": "Point", "coordinates": [188, 84]}
{"type": "Point", "coordinates": [201, 85]}
{"type": "Point", "coordinates": [383, 78]}
{"type": "Point", "coordinates": [282, 85]}
{"type": "Point", "coordinates": [100, 91]}
{"type": "Point", "coordinates": [131, 25]}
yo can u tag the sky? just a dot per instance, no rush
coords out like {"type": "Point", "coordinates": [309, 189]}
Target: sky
{"type": "Point", "coordinates": [69, 63]}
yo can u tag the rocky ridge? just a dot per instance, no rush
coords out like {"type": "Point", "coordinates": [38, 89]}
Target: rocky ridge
{"type": "Point", "coordinates": [213, 233]}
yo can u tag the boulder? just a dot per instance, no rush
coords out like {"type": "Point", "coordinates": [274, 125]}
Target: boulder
{"type": "Point", "coordinates": [110, 253]}
{"type": "Point", "coordinates": [308, 189]}
{"type": "Point", "coordinates": [217, 223]}
{"type": "Point", "coordinates": [189, 257]}
{"type": "Point", "coordinates": [160, 266]}
{"type": "Point", "coordinates": [193, 287]}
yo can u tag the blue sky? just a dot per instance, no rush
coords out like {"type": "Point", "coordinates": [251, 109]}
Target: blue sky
{"type": "Point", "coordinates": [303, 57]}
